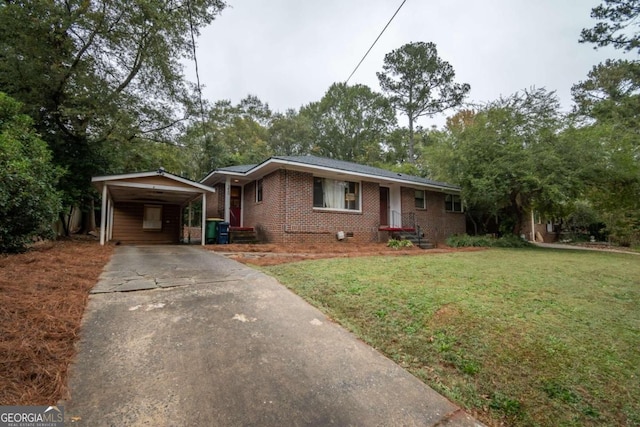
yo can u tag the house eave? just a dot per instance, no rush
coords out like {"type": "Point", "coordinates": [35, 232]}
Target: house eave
{"type": "Point", "coordinates": [273, 164]}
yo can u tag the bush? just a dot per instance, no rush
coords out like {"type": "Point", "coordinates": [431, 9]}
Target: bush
{"type": "Point", "coordinates": [508, 241]}
{"type": "Point", "coordinates": [397, 244]}
{"type": "Point", "coordinates": [29, 202]}
{"type": "Point", "coordinates": [511, 241]}
{"type": "Point", "coordinates": [463, 240]}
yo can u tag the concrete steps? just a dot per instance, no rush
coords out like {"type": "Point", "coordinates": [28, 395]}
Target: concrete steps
{"type": "Point", "coordinates": [422, 243]}
{"type": "Point", "coordinates": [243, 236]}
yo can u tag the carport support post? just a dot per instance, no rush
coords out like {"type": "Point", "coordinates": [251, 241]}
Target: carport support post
{"type": "Point", "coordinates": [204, 219]}
{"type": "Point", "coordinates": [109, 217]}
{"type": "Point", "coordinates": [103, 215]}
{"type": "Point", "coordinates": [227, 200]}
{"type": "Point", "coordinates": [189, 223]}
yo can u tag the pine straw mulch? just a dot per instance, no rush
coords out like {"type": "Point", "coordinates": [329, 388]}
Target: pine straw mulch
{"type": "Point", "coordinates": [43, 294]}
{"type": "Point", "coordinates": [274, 254]}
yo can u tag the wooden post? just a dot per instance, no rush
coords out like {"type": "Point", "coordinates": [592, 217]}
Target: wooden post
{"type": "Point", "coordinates": [227, 200]}
{"type": "Point", "coordinates": [189, 223]}
{"type": "Point", "coordinates": [103, 215]}
{"type": "Point", "coordinates": [533, 227]}
{"type": "Point", "coordinates": [204, 219]}
{"type": "Point", "coordinates": [109, 217]}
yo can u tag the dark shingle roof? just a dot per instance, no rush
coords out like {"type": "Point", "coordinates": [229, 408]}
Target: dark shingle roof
{"type": "Point", "coordinates": [361, 169]}
{"type": "Point", "coordinates": [238, 168]}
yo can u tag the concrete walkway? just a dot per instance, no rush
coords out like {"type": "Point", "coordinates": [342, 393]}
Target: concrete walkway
{"type": "Point", "coordinates": [584, 248]}
{"type": "Point", "coordinates": [211, 342]}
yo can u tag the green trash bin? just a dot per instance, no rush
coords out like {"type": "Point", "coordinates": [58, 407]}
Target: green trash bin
{"type": "Point", "coordinates": [211, 230]}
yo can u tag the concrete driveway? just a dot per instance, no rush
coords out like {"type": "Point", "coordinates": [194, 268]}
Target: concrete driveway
{"type": "Point", "coordinates": [211, 342]}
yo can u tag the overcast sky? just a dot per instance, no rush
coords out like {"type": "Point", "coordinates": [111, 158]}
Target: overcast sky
{"type": "Point", "coordinates": [288, 52]}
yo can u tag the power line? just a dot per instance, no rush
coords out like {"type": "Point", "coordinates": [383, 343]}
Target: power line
{"type": "Point", "coordinates": [195, 60]}
{"type": "Point", "coordinates": [375, 41]}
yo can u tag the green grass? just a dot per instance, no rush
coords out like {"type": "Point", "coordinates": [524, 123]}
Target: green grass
{"type": "Point", "coordinates": [520, 336]}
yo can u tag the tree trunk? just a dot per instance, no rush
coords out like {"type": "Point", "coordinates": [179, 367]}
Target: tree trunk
{"type": "Point", "coordinates": [89, 218]}
{"type": "Point", "coordinates": [412, 159]}
{"type": "Point", "coordinates": [475, 226]}
{"type": "Point", "coordinates": [65, 225]}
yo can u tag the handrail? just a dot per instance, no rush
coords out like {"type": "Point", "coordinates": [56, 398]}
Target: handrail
{"type": "Point", "coordinates": [403, 220]}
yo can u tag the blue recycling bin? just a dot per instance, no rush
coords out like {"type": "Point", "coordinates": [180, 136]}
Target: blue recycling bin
{"type": "Point", "coordinates": [223, 233]}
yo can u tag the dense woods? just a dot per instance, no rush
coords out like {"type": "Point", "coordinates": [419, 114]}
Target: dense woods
{"type": "Point", "coordinates": [95, 88]}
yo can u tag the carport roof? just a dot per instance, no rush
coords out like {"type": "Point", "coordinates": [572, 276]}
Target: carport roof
{"type": "Point", "coordinates": [136, 187]}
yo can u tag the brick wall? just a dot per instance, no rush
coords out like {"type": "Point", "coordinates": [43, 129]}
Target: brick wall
{"type": "Point", "coordinates": [215, 202]}
{"type": "Point", "coordinates": [436, 223]}
{"type": "Point", "coordinates": [265, 216]}
{"type": "Point", "coordinates": [286, 213]}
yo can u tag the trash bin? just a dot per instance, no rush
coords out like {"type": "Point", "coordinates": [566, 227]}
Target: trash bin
{"type": "Point", "coordinates": [223, 233]}
{"type": "Point", "coordinates": [211, 230]}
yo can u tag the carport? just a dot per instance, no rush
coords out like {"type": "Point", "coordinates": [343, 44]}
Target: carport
{"type": "Point", "coordinates": [147, 207]}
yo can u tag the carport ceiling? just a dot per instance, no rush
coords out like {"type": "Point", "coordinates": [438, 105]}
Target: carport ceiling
{"type": "Point", "coordinates": [151, 195]}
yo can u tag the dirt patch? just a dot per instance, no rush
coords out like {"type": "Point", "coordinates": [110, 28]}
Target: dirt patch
{"type": "Point", "coordinates": [274, 254]}
{"type": "Point", "coordinates": [43, 294]}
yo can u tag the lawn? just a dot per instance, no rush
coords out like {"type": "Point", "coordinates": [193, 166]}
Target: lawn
{"type": "Point", "coordinates": [516, 336]}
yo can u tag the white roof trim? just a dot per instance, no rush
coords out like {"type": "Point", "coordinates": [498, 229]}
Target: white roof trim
{"type": "Point", "coordinates": [110, 178]}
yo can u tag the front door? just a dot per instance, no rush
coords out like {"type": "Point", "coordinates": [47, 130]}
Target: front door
{"type": "Point", "coordinates": [235, 208]}
{"type": "Point", "coordinates": [384, 206]}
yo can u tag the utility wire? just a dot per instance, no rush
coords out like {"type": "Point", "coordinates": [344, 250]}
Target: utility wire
{"type": "Point", "coordinates": [195, 60]}
{"type": "Point", "coordinates": [376, 40]}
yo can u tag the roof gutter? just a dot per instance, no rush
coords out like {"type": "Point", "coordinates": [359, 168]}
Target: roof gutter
{"type": "Point", "coordinates": [328, 169]}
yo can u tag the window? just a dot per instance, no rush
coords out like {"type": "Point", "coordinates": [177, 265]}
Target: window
{"type": "Point", "coordinates": [452, 203]}
{"type": "Point", "coordinates": [332, 194]}
{"type": "Point", "coordinates": [259, 190]}
{"type": "Point", "coordinates": [152, 219]}
{"type": "Point", "coordinates": [421, 199]}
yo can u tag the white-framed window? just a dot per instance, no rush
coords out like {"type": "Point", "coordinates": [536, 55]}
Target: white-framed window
{"type": "Point", "coordinates": [152, 219]}
{"type": "Point", "coordinates": [334, 194]}
{"type": "Point", "coordinates": [420, 199]}
{"type": "Point", "coordinates": [259, 183]}
{"type": "Point", "coordinates": [452, 203]}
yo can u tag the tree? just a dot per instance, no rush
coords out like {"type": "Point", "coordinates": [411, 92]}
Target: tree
{"type": "Point", "coordinates": [611, 93]}
{"type": "Point", "coordinates": [609, 102]}
{"type": "Point", "coordinates": [29, 202]}
{"type": "Point", "coordinates": [290, 134]}
{"type": "Point", "coordinates": [619, 26]}
{"type": "Point", "coordinates": [350, 123]}
{"type": "Point", "coordinates": [509, 158]}
{"type": "Point", "coordinates": [98, 77]}
{"type": "Point", "coordinates": [230, 135]}
{"type": "Point", "coordinates": [419, 83]}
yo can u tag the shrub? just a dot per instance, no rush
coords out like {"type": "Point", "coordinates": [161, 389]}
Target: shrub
{"type": "Point", "coordinates": [507, 241]}
{"type": "Point", "coordinates": [511, 241]}
{"type": "Point", "coordinates": [462, 240]}
{"type": "Point", "coordinates": [397, 244]}
{"type": "Point", "coordinates": [29, 202]}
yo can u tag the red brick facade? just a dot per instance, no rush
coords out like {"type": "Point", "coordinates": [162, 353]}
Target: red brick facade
{"type": "Point", "coordinates": [215, 202]}
{"type": "Point", "coordinates": [435, 222]}
{"type": "Point", "coordinates": [286, 212]}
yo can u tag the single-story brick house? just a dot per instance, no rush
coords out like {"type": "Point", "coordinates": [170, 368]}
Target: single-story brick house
{"type": "Point", "coordinates": [312, 199]}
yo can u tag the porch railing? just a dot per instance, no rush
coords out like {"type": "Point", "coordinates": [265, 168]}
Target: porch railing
{"type": "Point", "coordinates": [403, 220]}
